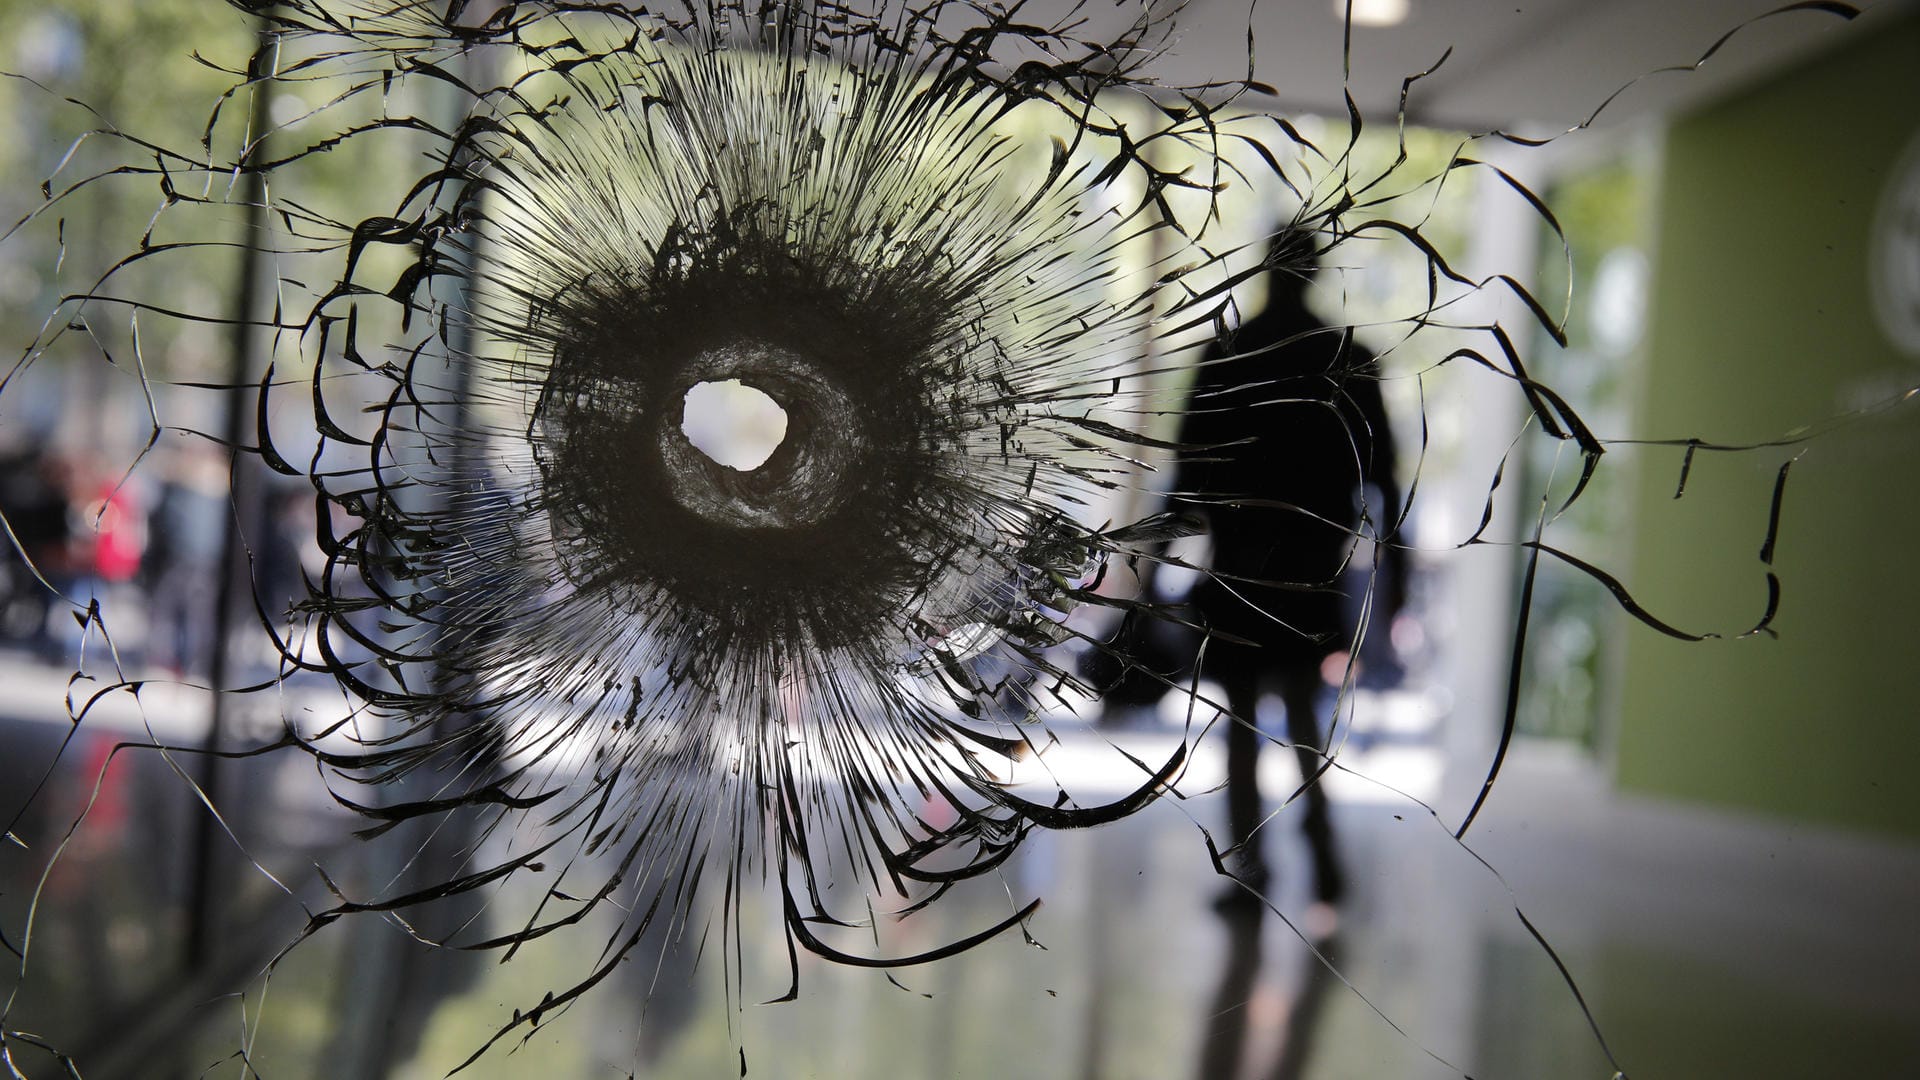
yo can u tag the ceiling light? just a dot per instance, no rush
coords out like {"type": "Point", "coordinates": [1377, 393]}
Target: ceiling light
{"type": "Point", "coordinates": [1374, 12]}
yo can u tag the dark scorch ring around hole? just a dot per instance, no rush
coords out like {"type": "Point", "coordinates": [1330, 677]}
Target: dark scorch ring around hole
{"type": "Point", "coordinates": [828, 532]}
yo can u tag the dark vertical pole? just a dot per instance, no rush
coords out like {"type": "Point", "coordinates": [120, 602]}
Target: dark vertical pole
{"type": "Point", "coordinates": [235, 581]}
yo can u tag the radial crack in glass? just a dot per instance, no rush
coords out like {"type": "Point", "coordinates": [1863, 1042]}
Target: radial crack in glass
{"type": "Point", "coordinates": [697, 673]}
{"type": "Point", "coordinates": [580, 676]}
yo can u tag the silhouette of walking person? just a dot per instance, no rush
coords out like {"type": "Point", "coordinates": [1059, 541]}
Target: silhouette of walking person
{"type": "Point", "coordinates": [1283, 431]}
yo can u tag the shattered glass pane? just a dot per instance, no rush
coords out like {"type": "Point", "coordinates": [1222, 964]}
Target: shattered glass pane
{"type": "Point", "coordinates": [538, 528]}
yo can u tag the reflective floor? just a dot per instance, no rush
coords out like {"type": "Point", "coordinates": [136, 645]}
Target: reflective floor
{"type": "Point", "coordinates": [1705, 944]}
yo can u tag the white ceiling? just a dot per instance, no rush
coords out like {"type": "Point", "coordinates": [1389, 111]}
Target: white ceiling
{"type": "Point", "coordinates": [1535, 65]}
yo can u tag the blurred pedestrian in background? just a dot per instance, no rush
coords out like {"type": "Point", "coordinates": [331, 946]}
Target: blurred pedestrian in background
{"type": "Point", "coordinates": [34, 497]}
{"type": "Point", "coordinates": [1283, 435]}
{"type": "Point", "coordinates": [182, 566]}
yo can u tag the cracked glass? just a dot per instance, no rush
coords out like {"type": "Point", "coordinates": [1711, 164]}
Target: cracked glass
{"type": "Point", "coordinates": [796, 539]}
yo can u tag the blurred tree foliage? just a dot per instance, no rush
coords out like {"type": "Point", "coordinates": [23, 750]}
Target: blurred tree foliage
{"type": "Point", "coordinates": [1606, 213]}
{"type": "Point", "coordinates": [80, 186]}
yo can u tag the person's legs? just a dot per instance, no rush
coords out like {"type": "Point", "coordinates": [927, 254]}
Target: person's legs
{"type": "Point", "coordinates": [1243, 782]}
{"type": "Point", "coordinates": [1298, 689]}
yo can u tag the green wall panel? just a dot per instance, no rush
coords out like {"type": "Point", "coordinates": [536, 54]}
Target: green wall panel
{"type": "Point", "coordinates": [1761, 323]}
